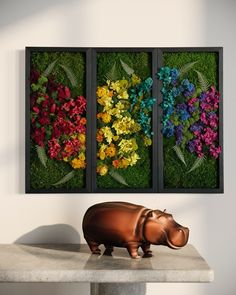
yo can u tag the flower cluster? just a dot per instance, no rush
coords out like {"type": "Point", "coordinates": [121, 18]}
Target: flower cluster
{"type": "Point", "coordinates": [125, 108]}
{"type": "Point", "coordinates": [190, 116]}
{"type": "Point", "coordinates": [58, 121]}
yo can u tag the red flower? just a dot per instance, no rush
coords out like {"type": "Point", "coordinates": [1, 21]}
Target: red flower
{"type": "Point", "coordinates": [36, 110]}
{"type": "Point", "coordinates": [53, 108]}
{"type": "Point", "coordinates": [54, 148]}
{"type": "Point", "coordinates": [63, 92]}
{"type": "Point", "coordinates": [34, 76]}
{"type": "Point", "coordinates": [44, 121]}
{"type": "Point", "coordinates": [63, 115]}
{"type": "Point", "coordinates": [38, 136]}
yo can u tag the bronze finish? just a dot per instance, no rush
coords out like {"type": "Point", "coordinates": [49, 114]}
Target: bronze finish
{"type": "Point", "coordinates": [131, 226]}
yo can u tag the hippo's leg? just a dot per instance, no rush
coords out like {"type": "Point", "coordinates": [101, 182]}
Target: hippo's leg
{"type": "Point", "coordinates": [94, 247]}
{"type": "Point", "coordinates": [109, 249]}
{"type": "Point", "coordinates": [133, 249]}
{"type": "Point", "coordinates": [146, 250]}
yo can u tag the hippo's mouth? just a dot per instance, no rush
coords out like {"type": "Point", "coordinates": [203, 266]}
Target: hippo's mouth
{"type": "Point", "coordinates": [177, 239]}
{"type": "Point", "coordinates": [172, 246]}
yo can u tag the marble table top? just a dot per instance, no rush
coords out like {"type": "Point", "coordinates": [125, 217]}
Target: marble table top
{"type": "Point", "coordinates": [74, 263]}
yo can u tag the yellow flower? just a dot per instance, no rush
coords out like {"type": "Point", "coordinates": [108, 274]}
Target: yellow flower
{"type": "Point", "coordinates": [77, 163]}
{"type": "Point", "coordinates": [147, 141]}
{"type": "Point", "coordinates": [115, 86]}
{"type": "Point", "coordinates": [82, 156]}
{"type": "Point", "coordinates": [65, 159]}
{"type": "Point", "coordinates": [119, 105]}
{"type": "Point", "coordinates": [107, 133]}
{"type": "Point", "coordinates": [111, 151]}
{"type": "Point", "coordinates": [115, 138]}
{"type": "Point", "coordinates": [115, 112]}
{"type": "Point", "coordinates": [102, 170]}
{"type": "Point", "coordinates": [124, 84]}
{"type": "Point", "coordinates": [132, 159]}
{"type": "Point", "coordinates": [124, 163]}
{"type": "Point", "coordinates": [105, 101]}
{"type": "Point", "coordinates": [106, 118]}
{"type": "Point", "coordinates": [126, 125]}
{"type": "Point", "coordinates": [102, 91]}
{"type": "Point", "coordinates": [101, 152]}
{"type": "Point", "coordinates": [135, 80]}
{"type": "Point", "coordinates": [127, 146]}
{"type": "Point", "coordinates": [123, 95]}
{"type": "Point", "coordinates": [82, 138]}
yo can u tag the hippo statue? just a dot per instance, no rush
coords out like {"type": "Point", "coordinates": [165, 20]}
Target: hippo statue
{"type": "Point", "coordinates": [131, 226]}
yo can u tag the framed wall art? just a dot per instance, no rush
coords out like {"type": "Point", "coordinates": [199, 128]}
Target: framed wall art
{"type": "Point", "coordinates": [124, 120]}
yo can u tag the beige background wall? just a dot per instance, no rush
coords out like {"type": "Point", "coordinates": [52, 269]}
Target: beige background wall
{"type": "Point", "coordinates": [57, 218]}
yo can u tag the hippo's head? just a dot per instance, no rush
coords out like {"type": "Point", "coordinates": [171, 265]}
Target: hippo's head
{"type": "Point", "coordinates": [161, 229]}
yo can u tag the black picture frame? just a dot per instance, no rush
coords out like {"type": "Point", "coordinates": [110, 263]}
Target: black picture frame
{"type": "Point", "coordinates": [91, 146]}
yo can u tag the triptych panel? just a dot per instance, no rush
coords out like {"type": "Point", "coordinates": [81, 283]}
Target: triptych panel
{"type": "Point", "coordinates": [124, 120]}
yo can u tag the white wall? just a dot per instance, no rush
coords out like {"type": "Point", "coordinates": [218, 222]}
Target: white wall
{"type": "Point", "coordinates": [34, 218]}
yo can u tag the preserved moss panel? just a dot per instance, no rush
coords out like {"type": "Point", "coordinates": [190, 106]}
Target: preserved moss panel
{"type": "Point", "coordinates": [175, 172]}
{"type": "Point", "coordinates": [65, 70]}
{"type": "Point", "coordinates": [140, 174]}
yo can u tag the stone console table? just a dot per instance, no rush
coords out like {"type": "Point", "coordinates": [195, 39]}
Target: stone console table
{"type": "Point", "coordinates": [117, 274]}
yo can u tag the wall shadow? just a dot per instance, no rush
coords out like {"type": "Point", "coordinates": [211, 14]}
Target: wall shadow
{"type": "Point", "coordinates": [51, 234]}
{"type": "Point", "coordinates": [20, 128]}
{"type": "Point", "coordinates": [14, 11]}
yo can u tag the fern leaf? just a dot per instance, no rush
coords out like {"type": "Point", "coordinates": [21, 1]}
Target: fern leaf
{"type": "Point", "coordinates": [65, 178]}
{"type": "Point", "coordinates": [49, 68]}
{"type": "Point", "coordinates": [118, 177]}
{"type": "Point", "coordinates": [187, 67]}
{"type": "Point", "coordinates": [204, 84]}
{"type": "Point", "coordinates": [112, 74]}
{"type": "Point", "coordinates": [197, 163]}
{"type": "Point", "coordinates": [179, 154]}
{"type": "Point", "coordinates": [129, 71]}
{"type": "Point", "coordinates": [70, 75]}
{"type": "Point", "coordinates": [42, 155]}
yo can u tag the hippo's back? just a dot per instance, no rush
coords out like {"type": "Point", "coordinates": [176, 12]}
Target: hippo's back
{"type": "Point", "coordinates": [112, 223]}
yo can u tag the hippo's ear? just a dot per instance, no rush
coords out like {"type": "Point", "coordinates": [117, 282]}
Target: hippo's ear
{"type": "Point", "coordinates": [152, 214]}
{"type": "Point", "coordinates": [155, 214]}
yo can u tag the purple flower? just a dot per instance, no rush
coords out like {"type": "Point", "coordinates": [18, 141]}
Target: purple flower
{"type": "Point", "coordinates": [179, 134]}
{"type": "Point", "coordinates": [191, 146]}
{"type": "Point", "coordinates": [196, 127]}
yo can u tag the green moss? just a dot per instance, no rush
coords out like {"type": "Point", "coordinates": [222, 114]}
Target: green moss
{"type": "Point", "coordinates": [75, 61]}
{"type": "Point", "coordinates": [139, 175]}
{"type": "Point", "coordinates": [140, 62]}
{"type": "Point", "coordinates": [175, 172]}
{"type": "Point", "coordinates": [41, 177]}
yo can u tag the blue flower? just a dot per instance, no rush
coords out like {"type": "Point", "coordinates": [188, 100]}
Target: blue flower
{"type": "Point", "coordinates": [176, 91]}
{"type": "Point", "coordinates": [168, 129]}
{"type": "Point", "coordinates": [188, 88]}
{"type": "Point", "coordinates": [145, 123]}
{"type": "Point", "coordinates": [182, 111]}
{"type": "Point", "coordinates": [174, 73]}
{"type": "Point", "coordinates": [164, 75]}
